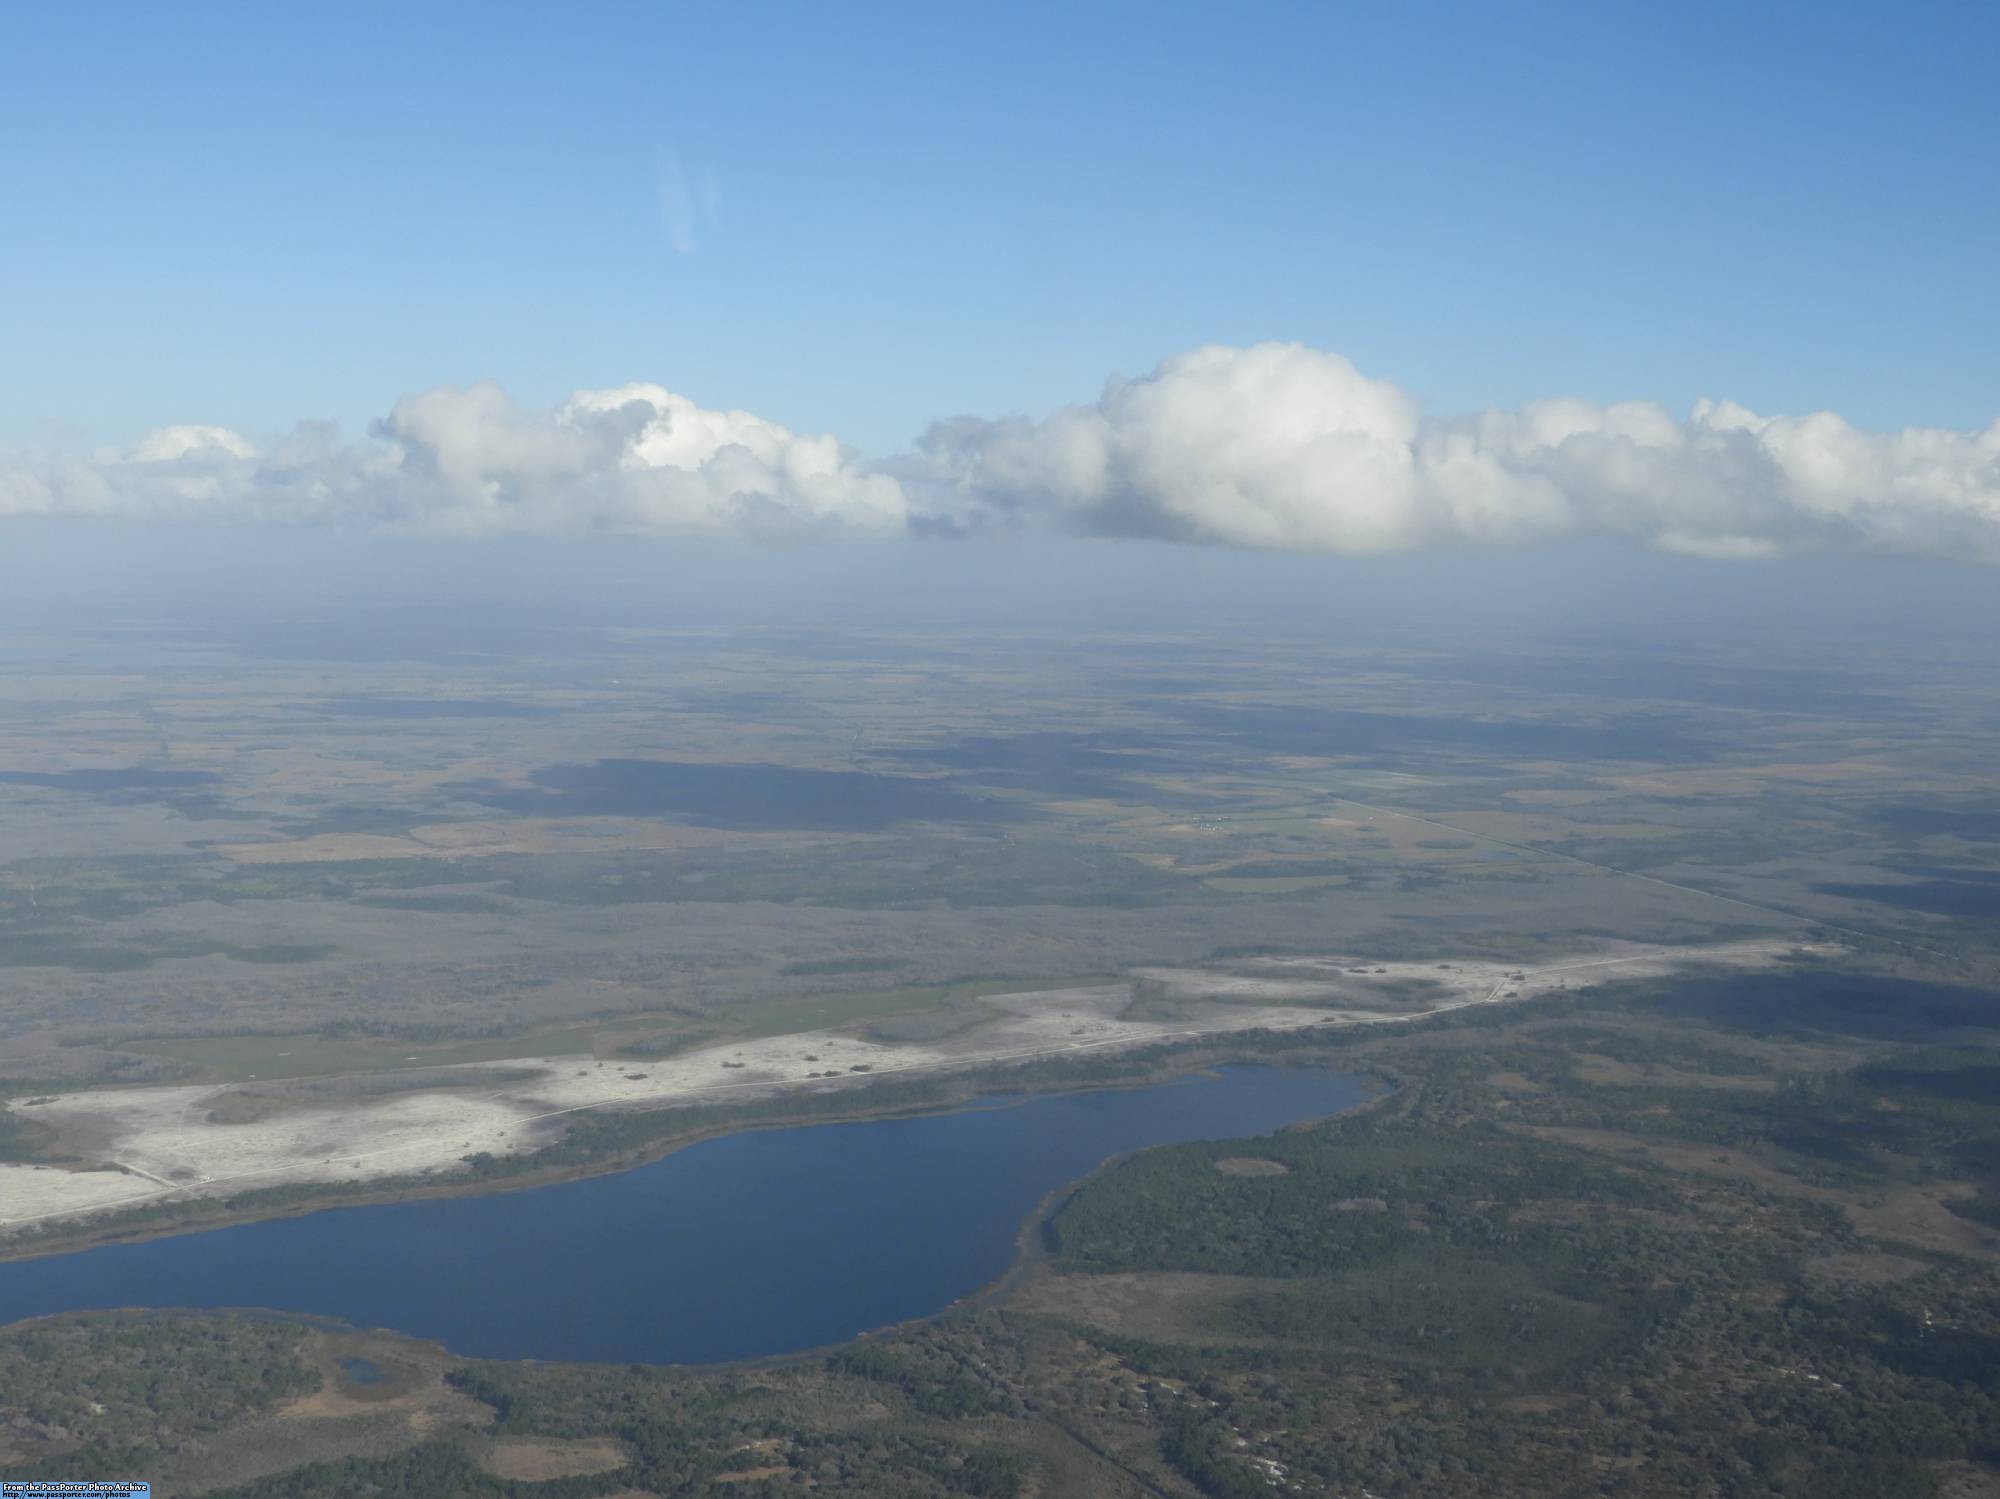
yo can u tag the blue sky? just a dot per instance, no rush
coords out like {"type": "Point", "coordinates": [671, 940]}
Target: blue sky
{"type": "Point", "coordinates": [247, 214]}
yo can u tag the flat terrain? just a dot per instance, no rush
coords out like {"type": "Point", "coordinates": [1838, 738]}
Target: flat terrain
{"type": "Point", "coordinates": [265, 843]}
{"type": "Point", "coordinates": [132, 1146]}
{"type": "Point", "coordinates": [1535, 1268]}
{"type": "Point", "coordinates": [1676, 944]}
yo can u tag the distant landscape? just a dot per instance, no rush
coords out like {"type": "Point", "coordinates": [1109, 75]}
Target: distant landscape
{"type": "Point", "coordinates": [999, 752]}
{"type": "Point", "coordinates": [1670, 963]}
{"type": "Point", "coordinates": [224, 829]}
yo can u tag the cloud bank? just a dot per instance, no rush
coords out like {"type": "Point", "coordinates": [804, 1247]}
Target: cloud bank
{"type": "Point", "coordinates": [467, 461]}
{"type": "Point", "coordinates": [1274, 446]}
{"type": "Point", "coordinates": [1288, 447]}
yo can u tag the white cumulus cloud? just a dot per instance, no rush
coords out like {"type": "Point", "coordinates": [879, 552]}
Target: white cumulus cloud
{"type": "Point", "coordinates": [1279, 445]}
{"type": "Point", "coordinates": [468, 460]}
{"type": "Point", "coordinates": [1274, 446]}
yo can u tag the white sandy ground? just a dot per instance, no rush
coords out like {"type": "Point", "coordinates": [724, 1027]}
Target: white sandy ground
{"type": "Point", "coordinates": [159, 1142]}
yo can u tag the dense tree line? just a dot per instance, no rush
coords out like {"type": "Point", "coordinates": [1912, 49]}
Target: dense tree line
{"type": "Point", "coordinates": [107, 1390]}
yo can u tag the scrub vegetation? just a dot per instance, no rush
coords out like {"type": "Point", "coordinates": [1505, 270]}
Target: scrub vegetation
{"type": "Point", "coordinates": [1728, 1236]}
{"type": "Point", "coordinates": [461, 861]}
{"type": "Point", "coordinates": [1630, 1242]}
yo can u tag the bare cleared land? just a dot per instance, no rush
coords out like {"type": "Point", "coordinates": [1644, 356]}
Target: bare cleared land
{"type": "Point", "coordinates": [138, 1145]}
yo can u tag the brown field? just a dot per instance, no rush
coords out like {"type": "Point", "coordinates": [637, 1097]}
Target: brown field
{"type": "Point", "coordinates": [536, 1460]}
{"type": "Point", "coordinates": [1173, 1307]}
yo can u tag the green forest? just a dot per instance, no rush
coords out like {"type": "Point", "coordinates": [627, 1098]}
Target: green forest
{"type": "Point", "coordinates": [1630, 1242]}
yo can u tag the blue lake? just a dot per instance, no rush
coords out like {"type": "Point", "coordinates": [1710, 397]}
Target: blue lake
{"type": "Point", "coordinates": [751, 1244]}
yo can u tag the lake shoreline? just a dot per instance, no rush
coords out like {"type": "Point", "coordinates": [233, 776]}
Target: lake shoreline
{"type": "Point", "coordinates": [888, 1222]}
{"type": "Point", "coordinates": [1030, 1255]}
{"type": "Point", "coordinates": [960, 1090]}
{"type": "Point", "coordinates": [942, 1083]}
{"type": "Point", "coordinates": [1031, 1250]}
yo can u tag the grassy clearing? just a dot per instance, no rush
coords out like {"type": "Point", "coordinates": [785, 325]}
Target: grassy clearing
{"type": "Point", "coordinates": [778, 1017]}
{"type": "Point", "coordinates": [527, 1460]}
{"type": "Point", "coordinates": [821, 967]}
{"type": "Point", "coordinates": [263, 1058]}
{"type": "Point", "coordinates": [1275, 885]}
{"type": "Point", "coordinates": [268, 1058]}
